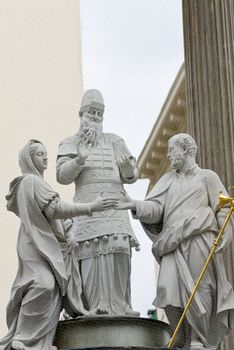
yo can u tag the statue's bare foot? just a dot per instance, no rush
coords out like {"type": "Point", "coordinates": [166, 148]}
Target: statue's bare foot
{"type": "Point", "coordinates": [17, 345]}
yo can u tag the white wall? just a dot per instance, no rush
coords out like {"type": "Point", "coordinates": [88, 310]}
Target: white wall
{"type": "Point", "coordinates": [40, 90]}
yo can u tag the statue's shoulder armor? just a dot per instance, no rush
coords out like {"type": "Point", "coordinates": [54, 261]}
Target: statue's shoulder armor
{"type": "Point", "coordinates": [68, 146]}
{"type": "Point", "coordinates": [113, 138]}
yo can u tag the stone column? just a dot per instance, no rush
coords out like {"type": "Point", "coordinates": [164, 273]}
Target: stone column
{"type": "Point", "coordinates": [209, 67]}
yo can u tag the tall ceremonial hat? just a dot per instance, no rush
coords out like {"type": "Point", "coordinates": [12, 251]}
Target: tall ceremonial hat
{"type": "Point", "coordinates": [92, 98]}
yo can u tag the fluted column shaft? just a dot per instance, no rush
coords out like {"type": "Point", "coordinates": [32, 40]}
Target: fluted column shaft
{"type": "Point", "coordinates": [209, 67]}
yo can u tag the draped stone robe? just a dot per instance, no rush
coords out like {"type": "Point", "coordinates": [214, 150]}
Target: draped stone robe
{"type": "Point", "coordinates": [48, 271]}
{"type": "Point", "coordinates": [41, 280]}
{"type": "Point", "coordinates": [182, 217]}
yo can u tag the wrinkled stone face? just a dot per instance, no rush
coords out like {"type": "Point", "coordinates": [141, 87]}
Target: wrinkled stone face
{"type": "Point", "coordinates": [176, 154]}
{"type": "Point", "coordinates": [92, 118]}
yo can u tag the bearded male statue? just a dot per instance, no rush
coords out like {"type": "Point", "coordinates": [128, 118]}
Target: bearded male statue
{"type": "Point", "coordinates": [97, 163]}
{"type": "Point", "coordinates": [181, 215]}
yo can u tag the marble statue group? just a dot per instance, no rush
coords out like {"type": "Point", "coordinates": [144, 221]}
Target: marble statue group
{"type": "Point", "coordinates": [76, 256]}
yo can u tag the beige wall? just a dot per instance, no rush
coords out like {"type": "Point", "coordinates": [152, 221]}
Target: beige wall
{"type": "Point", "coordinates": [40, 89]}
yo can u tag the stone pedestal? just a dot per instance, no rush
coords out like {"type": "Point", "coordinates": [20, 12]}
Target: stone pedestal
{"type": "Point", "coordinates": [107, 332]}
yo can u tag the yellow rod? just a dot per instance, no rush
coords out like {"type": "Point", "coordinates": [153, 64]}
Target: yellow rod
{"type": "Point", "coordinates": [215, 243]}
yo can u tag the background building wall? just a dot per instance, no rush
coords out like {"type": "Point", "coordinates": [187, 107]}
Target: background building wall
{"type": "Point", "coordinates": [40, 89]}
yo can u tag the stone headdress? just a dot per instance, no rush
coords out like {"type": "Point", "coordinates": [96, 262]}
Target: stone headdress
{"type": "Point", "coordinates": [27, 167]}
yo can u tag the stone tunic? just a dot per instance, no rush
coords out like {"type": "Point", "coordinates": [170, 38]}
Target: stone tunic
{"type": "Point", "coordinates": [105, 239]}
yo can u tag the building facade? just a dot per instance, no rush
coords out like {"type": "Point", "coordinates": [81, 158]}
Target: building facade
{"type": "Point", "coordinates": [41, 86]}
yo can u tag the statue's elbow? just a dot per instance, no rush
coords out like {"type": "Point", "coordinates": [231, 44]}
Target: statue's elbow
{"type": "Point", "coordinates": [130, 181]}
{"type": "Point", "coordinates": [62, 179]}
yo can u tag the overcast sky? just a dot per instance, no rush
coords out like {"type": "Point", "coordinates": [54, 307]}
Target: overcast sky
{"type": "Point", "coordinates": [132, 51]}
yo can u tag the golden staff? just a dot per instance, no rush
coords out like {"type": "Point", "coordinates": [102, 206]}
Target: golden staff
{"type": "Point", "coordinates": [223, 201]}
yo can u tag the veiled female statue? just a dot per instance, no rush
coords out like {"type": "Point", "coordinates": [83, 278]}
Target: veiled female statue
{"type": "Point", "coordinates": [47, 272]}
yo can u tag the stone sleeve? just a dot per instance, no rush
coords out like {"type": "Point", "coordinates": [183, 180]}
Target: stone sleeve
{"type": "Point", "coordinates": [66, 209]}
{"type": "Point", "coordinates": [67, 170]}
{"type": "Point", "coordinates": [148, 212]}
{"type": "Point", "coordinates": [215, 186]}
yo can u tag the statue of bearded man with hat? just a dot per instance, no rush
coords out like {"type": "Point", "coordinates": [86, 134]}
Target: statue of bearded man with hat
{"type": "Point", "coordinates": [97, 163]}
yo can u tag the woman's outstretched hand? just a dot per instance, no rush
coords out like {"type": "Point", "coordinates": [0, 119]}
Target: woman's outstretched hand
{"type": "Point", "coordinates": [100, 204]}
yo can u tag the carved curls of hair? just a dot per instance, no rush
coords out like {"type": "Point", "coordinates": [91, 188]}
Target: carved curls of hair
{"type": "Point", "coordinates": [186, 141]}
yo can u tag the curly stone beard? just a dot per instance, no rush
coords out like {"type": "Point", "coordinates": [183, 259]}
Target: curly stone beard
{"type": "Point", "coordinates": [177, 160]}
{"type": "Point", "coordinates": [89, 137]}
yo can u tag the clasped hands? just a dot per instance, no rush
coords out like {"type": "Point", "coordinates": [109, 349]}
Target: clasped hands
{"type": "Point", "coordinates": [122, 202]}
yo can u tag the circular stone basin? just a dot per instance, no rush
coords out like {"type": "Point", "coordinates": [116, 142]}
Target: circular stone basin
{"type": "Point", "coordinates": [111, 331]}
